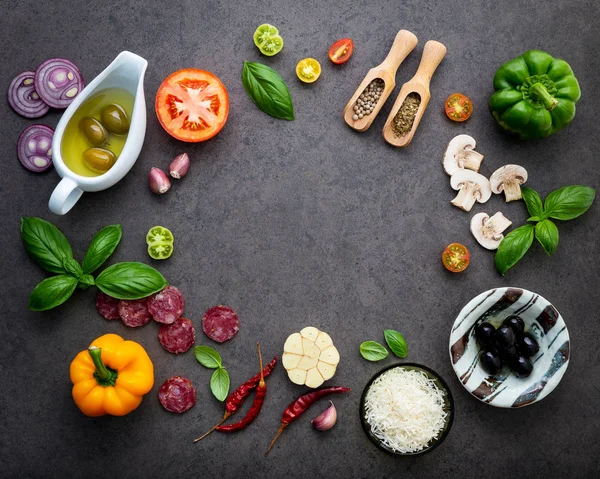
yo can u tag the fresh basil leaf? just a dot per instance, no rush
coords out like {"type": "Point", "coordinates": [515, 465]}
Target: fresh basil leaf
{"type": "Point", "coordinates": [102, 246]}
{"type": "Point", "coordinates": [51, 292]}
{"type": "Point", "coordinates": [513, 247]}
{"type": "Point", "coordinates": [568, 202]}
{"type": "Point", "coordinates": [219, 383]}
{"type": "Point", "coordinates": [267, 90]}
{"type": "Point", "coordinates": [85, 281]}
{"type": "Point", "coordinates": [546, 233]}
{"type": "Point", "coordinates": [373, 351]}
{"type": "Point", "coordinates": [396, 342]}
{"type": "Point", "coordinates": [534, 218]}
{"type": "Point", "coordinates": [46, 244]}
{"type": "Point", "coordinates": [533, 201]}
{"type": "Point", "coordinates": [130, 281]}
{"type": "Point", "coordinates": [208, 357]}
{"type": "Point", "coordinates": [72, 267]}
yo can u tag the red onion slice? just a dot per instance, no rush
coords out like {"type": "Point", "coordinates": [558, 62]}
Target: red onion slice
{"type": "Point", "coordinates": [34, 148]}
{"type": "Point", "coordinates": [23, 98]}
{"type": "Point", "coordinates": [58, 81]}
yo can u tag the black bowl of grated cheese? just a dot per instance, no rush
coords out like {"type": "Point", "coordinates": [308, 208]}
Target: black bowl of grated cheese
{"type": "Point", "coordinates": [406, 409]}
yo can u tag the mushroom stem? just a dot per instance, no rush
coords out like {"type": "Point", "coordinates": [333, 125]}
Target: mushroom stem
{"type": "Point", "coordinates": [512, 191]}
{"type": "Point", "coordinates": [465, 199]}
{"type": "Point", "coordinates": [471, 160]}
{"type": "Point", "coordinates": [496, 225]}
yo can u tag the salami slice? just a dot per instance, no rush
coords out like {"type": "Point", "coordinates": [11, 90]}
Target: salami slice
{"type": "Point", "coordinates": [107, 306]}
{"type": "Point", "coordinates": [134, 313]}
{"type": "Point", "coordinates": [220, 323]}
{"type": "Point", "coordinates": [177, 394]}
{"type": "Point", "coordinates": [177, 337]}
{"type": "Point", "coordinates": [167, 305]}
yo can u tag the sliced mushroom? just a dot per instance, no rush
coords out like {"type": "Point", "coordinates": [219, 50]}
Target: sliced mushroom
{"type": "Point", "coordinates": [509, 179]}
{"type": "Point", "coordinates": [488, 231]}
{"type": "Point", "coordinates": [461, 154]}
{"type": "Point", "coordinates": [473, 187]}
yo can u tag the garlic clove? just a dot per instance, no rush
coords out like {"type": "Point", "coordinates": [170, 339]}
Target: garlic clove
{"type": "Point", "coordinates": [326, 420]}
{"type": "Point", "coordinates": [158, 181]}
{"type": "Point", "coordinates": [179, 166]}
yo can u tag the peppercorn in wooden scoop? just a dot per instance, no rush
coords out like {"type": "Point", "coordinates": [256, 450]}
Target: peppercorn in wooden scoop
{"type": "Point", "coordinates": [378, 84]}
{"type": "Point", "coordinates": [413, 98]}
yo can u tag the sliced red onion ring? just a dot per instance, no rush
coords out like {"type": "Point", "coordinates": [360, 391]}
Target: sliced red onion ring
{"type": "Point", "coordinates": [58, 81]}
{"type": "Point", "coordinates": [23, 98]}
{"type": "Point", "coordinates": [34, 148]}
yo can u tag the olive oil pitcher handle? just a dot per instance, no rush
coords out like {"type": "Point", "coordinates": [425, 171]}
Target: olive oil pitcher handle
{"type": "Point", "coordinates": [64, 196]}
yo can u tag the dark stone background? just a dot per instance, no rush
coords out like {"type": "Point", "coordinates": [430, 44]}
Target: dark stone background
{"type": "Point", "coordinates": [301, 223]}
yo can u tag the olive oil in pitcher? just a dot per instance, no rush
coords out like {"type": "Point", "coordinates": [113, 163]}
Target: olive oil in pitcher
{"type": "Point", "coordinates": [96, 134]}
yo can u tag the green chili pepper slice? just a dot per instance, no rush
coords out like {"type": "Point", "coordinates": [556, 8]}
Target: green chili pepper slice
{"type": "Point", "coordinates": [160, 242]}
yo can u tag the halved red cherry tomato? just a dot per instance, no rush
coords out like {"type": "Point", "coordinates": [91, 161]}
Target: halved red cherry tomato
{"type": "Point", "coordinates": [192, 105]}
{"type": "Point", "coordinates": [458, 107]}
{"type": "Point", "coordinates": [341, 51]}
{"type": "Point", "coordinates": [456, 257]}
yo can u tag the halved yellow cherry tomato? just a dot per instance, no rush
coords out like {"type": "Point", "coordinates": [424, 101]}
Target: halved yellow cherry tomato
{"type": "Point", "coordinates": [456, 257]}
{"type": "Point", "coordinates": [308, 70]}
{"type": "Point", "coordinates": [458, 107]}
{"type": "Point", "coordinates": [341, 51]}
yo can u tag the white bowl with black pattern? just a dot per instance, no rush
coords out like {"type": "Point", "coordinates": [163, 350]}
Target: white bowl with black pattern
{"type": "Point", "coordinates": [541, 319]}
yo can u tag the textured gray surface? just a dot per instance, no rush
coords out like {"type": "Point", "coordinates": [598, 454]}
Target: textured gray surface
{"type": "Point", "coordinates": [301, 223]}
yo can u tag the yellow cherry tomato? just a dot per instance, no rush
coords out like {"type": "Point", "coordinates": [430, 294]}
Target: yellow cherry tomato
{"type": "Point", "coordinates": [308, 70]}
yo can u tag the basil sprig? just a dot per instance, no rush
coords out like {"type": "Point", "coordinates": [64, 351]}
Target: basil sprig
{"type": "Point", "coordinates": [396, 342]}
{"type": "Point", "coordinates": [211, 359]}
{"type": "Point", "coordinates": [373, 351]}
{"type": "Point", "coordinates": [46, 244]}
{"type": "Point", "coordinates": [267, 90]}
{"type": "Point", "coordinates": [563, 204]}
{"type": "Point", "coordinates": [103, 244]}
{"type": "Point", "coordinates": [130, 281]}
{"type": "Point", "coordinates": [49, 247]}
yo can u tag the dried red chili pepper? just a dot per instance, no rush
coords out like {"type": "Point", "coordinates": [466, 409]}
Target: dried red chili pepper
{"type": "Point", "coordinates": [300, 405]}
{"type": "Point", "coordinates": [235, 400]}
{"type": "Point", "coordinates": [254, 411]}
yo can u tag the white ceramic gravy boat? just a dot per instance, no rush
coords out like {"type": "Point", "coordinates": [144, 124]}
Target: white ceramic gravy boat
{"type": "Point", "coordinates": [126, 72]}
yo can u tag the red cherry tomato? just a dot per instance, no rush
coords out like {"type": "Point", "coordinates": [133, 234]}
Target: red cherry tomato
{"type": "Point", "coordinates": [192, 105]}
{"type": "Point", "coordinates": [458, 107]}
{"type": "Point", "coordinates": [341, 51]}
{"type": "Point", "coordinates": [456, 257]}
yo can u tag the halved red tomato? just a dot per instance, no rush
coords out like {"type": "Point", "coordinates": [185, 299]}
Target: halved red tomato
{"type": "Point", "coordinates": [341, 51]}
{"type": "Point", "coordinates": [192, 105]}
{"type": "Point", "coordinates": [458, 107]}
{"type": "Point", "coordinates": [456, 257]}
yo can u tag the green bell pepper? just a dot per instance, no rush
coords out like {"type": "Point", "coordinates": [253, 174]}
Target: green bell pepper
{"type": "Point", "coordinates": [535, 95]}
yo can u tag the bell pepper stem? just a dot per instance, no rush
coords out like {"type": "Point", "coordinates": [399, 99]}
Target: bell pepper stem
{"type": "Point", "coordinates": [539, 92]}
{"type": "Point", "coordinates": [103, 375]}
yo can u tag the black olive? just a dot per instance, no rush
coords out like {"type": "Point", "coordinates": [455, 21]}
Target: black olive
{"type": "Point", "coordinates": [484, 334]}
{"type": "Point", "coordinates": [522, 366]}
{"type": "Point", "coordinates": [490, 362]}
{"type": "Point", "coordinates": [527, 345]}
{"type": "Point", "coordinates": [516, 323]}
{"type": "Point", "coordinates": [504, 337]}
{"type": "Point", "coordinates": [509, 354]}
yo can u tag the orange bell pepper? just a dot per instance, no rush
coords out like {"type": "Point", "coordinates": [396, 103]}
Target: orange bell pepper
{"type": "Point", "coordinates": [111, 376]}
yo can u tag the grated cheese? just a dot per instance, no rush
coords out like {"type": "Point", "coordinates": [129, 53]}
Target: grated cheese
{"type": "Point", "coordinates": [405, 409]}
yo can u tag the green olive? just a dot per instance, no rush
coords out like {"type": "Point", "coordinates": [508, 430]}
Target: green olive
{"type": "Point", "coordinates": [115, 119]}
{"type": "Point", "coordinates": [93, 130]}
{"type": "Point", "coordinates": [99, 159]}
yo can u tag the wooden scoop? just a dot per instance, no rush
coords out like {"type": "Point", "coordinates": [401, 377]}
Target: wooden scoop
{"type": "Point", "coordinates": [404, 43]}
{"type": "Point", "coordinates": [433, 54]}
